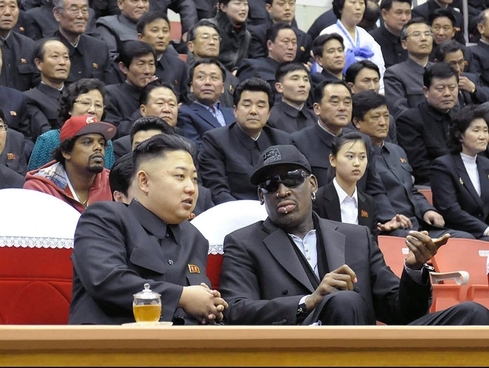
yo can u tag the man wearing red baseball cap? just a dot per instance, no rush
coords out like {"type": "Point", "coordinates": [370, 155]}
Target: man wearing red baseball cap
{"type": "Point", "coordinates": [77, 174]}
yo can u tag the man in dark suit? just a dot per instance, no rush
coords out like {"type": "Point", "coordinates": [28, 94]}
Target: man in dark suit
{"type": "Point", "coordinates": [371, 117]}
{"type": "Point", "coordinates": [154, 29]}
{"type": "Point", "coordinates": [229, 154]}
{"type": "Point", "coordinates": [280, 12]}
{"type": "Point", "coordinates": [205, 8]}
{"type": "Point", "coordinates": [404, 81]}
{"type": "Point", "coordinates": [329, 53]}
{"type": "Point", "coordinates": [292, 113]}
{"type": "Point", "coordinates": [257, 13]}
{"type": "Point", "coordinates": [205, 112]}
{"type": "Point", "coordinates": [296, 268]}
{"type": "Point", "coordinates": [333, 107]}
{"type": "Point", "coordinates": [89, 56]}
{"type": "Point", "coordinates": [12, 151]}
{"type": "Point", "coordinates": [422, 131]}
{"type": "Point", "coordinates": [470, 89]}
{"type": "Point", "coordinates": [138, 63]}
{"type": "Point", "coordinates": [204, 42]}
{"type": "Point", "coordinates": [148, 241]}
{"type": "Point", "coordinates": [53, 62]}
{"type": "Point", "coordinates": [480, 51]}
{"type": "Point", "coordinates": [395, 14]}
{"type": "Point", "coordinates": [18, 70]}
{"type": "Point", "coordinates": [282, 47]}
{"type": "Point", "coordinates": [10, 179]}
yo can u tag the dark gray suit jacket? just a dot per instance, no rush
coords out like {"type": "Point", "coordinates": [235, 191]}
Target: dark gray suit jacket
{"type": "Point", "coordinates": [263, 279]}
{"type": "Point", "coordinates": [117, 249]}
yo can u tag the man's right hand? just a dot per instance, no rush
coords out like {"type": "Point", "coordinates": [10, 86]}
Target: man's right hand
{"type": "Point", "coordinates": [203, 304]}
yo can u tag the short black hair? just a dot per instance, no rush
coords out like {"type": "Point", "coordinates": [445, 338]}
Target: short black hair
{"type": "Point", "coordinates": [121, 173]}
{"type": "Point", "coordinates": [355, 68]}
{"type": "Point", "coordinates": [206, 61]}
{"type": "Point", "coordinates": [288, 67]}
{"type": "Point", "coordinates": [387, 4]}
{"type": "Point", "coordinates": [150, 17]}
{"type": "Point", "coordinates": [158, 146]}
{"type": "Point", "coordinates": [365, 101]}
{"type": "Point", "coordinates": [318, 92]}
{"type": "Point", "coordinates": [442, 13]}
{"type": "Point", "coordinates": [192, 32]}
{"type": "Point", "coordinates": [447, 47]}
{"type": "Point", "coordinates": [145, 92]}
{"type": "Point", "coordinates": [274, 29]}
{"type": "Point", "coordinates": [65, 146]}
{"type": "Point", "coordinates": [150, 123]}
{"type": "Point", "coordinates": [460, 122]}
{"type": "Point", "coordinates": [441, 70]}
{"type": "Point", "coordinates": [319, 42]}
{"type": "Point", "coordinates": [342, 138]}
{"type": "Point", "coordinates": [416, 20]}
{"type": "Point", "coordinates": [133, 49]}
{"type": "Point", "coordinates": [253, 84]}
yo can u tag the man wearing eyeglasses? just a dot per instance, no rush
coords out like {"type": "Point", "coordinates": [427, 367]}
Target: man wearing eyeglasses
{"type": "Point", "coordinates": [89, 56]}
{"type": "Point", "coordinates": [404, 81]}
{"type": "Point", "coordinates": [295, 268]}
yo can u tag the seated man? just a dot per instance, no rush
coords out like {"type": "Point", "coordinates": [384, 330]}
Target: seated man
{"type": "Point", "coordinates": [119, 248]}
{"type": "Point", "coordinates": [329, 54]}
{"type": "Point", "coordinates": [12, 148]}
{"type": "Point", "coordinates": [295, 268]}
{"type": "Point", "coordinates": [120, 179]}
{"type": "Point", "coordinates": [77, 174]}
{"type": "Point", "coordinates": [292, 113]}
{"type": "Point", "coordinates": [229, 154]}
{"type": "Point", "coordinates": [205, 112]}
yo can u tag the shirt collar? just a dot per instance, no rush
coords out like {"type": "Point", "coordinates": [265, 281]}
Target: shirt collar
{"type": "Point", "coordinates": [342, 195]}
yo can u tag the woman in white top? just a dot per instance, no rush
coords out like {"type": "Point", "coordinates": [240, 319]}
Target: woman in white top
{"type": "Point", "coordinates": [359, 44]}
{"type": "Point", "coordinates": [460, 180]}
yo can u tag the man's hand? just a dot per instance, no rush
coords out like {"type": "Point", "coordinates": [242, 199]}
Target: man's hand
{"type": "Point", "coordinates": [203, 304]}
{"type": "Point", "coordinates": [465, 84]}
{"type": "Point", "coordinates": [342, 278]}
{"type": "Point", "coordinates": [398, 221]}
{"type": "Point", "coordinates": [434, 218]}
{"type": "Point", "coordinates": [422, 248]}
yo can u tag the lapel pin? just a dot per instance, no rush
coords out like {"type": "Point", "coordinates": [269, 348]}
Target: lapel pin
{"type": "Point", "coordinates": [193, 268]}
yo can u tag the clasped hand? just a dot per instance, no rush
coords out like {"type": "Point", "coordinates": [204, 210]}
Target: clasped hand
{"type": "Point", "coordinates": [203, 304]}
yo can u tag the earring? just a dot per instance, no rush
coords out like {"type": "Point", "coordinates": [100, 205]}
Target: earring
{"type": "Point", "coordinates": [262, 202]}
{"type": "Point", "coordinates": [313, 196]}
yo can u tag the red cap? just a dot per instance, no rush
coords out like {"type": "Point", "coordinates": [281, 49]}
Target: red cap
{"type": "Point", "coordinates": [80, 125]}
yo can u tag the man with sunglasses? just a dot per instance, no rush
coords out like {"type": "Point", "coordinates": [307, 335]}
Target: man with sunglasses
{"type": "Point", "coordinates": [296, 268]}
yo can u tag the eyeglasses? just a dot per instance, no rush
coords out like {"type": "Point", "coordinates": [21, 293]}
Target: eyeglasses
{"type": "Point", "coordinates": [74, 10]}
{"type": "Point", "coordinates": [206, 37]}
{"type": "Point", "coordinates": [291, 179]}
{"type": "Point", "coordinates": [87, 104]}
{"type": "Point", "coordinates": [418, 34]}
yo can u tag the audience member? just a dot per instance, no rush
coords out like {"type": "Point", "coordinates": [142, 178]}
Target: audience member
{"type": "Point", "coordinates": [395, 15]}
{"type": "Point", "coordinates": [205, 111]}
{"type": "Point", "coordinates": [291, 113]}
{"type": "Point", "coordinates": [422, 131]}
{"type": "Point", "coordinates": [10, 179]}
{"type": "Point", "coordinates": [324, 20]}
{"type": "Point", "coordinates": [52, 59]}
{"type": "Point", "coordinates": [371, 16]}
{"type": "Point", "coordinates": [205, 9]}
{"type": "Point", "coordinates": [329, 54]}
{"type": "Point", "coordinates": [229, 154]}
{"type": "Point", "coordinates": [186, 9]}
{"type": "Point", "coordinates": [404, 81]}
{"type": "Point", "coordinates": [442, 23]}
{"type": "Point", "coordinates": [288, 269]}
{"type": "Point", "coordinates": [119, 248]}
{"type": "Point", "coordinates": [76, 175]}
{"type": "Point", "coordinates": [459, 180]}
{"type": "Point", "coordinates": [480, 51]}
{"type": "Point", "coordinates": [120, 179]}
{"type": "Point", "coordinates": [12, 148]}
{"type": "Point", "coordinates": [257, 13]}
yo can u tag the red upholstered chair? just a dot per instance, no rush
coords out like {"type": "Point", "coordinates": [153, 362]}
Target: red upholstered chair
{"type": "Point", "coordinates": [36, 241]}
{"type": "Point", "coordinates": [220, 220]}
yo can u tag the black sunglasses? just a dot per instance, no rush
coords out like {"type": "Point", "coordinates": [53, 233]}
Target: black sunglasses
{"type": "Point", "coordinates": [291, 179]}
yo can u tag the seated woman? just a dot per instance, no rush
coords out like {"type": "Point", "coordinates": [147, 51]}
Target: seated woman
{"type": "Point", "coordinates": [84, 97]}
{"type": "Point", "coordinates": [460, 179]}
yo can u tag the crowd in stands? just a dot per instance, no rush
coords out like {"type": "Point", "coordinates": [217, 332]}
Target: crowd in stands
{"type": "Point", "coordinates": [380, 98]}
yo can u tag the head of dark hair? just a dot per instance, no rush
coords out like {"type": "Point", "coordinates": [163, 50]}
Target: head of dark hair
{"type": "Point", "coordinates": [318, 92]}
{"type": "Point", "coordinates": [150, 17]}
{"type": "Point", "coordinates": [133, 49]}
{"type": "Point", "coordinates": [447, 47]}
{"type": "Point", "coordinates": [338, 7]}
{"type": "Point", "coordinates": [192, 33]}
{"type": "Point", "coordinates": [253, 84]}
{"type": "Point", "coordinates": [365, 101]}
{"type": "Point", "coordinates": [319, 42]}
{"type": "Point", "coordinates": [355, 68]}
{"type": "Point", "coordinates": [158, 146]}
{"type": "Point", "coordinates": [71, 93]}
{"type": "Point", "coordinates": [341, 139]}
{"type": "Point", "coordinates": [461, 121]}
{"type": "Point", "coordinates": [120, 176]}
{"type": "Point", "coordinates": [442, 13]}
{"type": "Point", "coordinates": [150, 123]}
{"type": "Point", "coordinates": [2, 116]}
{"type": "Point", "coordinates": [146, 91]}
{"type": "Point", "coordinates": [416, 20]}
{"type": "Point", "coordinates": [439, 70]}
{"type": "Point", "coordinates": [273, 30]}
{"type": "Point", "coordinates": [207, 61]}
{"type": "Point", "coordinates": [40, 49]}
{"type": "Point", "coordinates": [288, 67]}
{"type": "Point", "coordinates": [387, 4]}
{"type": "Point", "coordinates": [65, 146]}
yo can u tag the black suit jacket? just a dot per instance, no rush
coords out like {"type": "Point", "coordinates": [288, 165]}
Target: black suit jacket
{"type": "Point", "coordinates": [14, 155]}
{"type": "Point", "coordinates": [263, 68]}
{"type": "Point", "coordinates": [480, 61]}
{"type": "Point", "coordinates": [391, 46]}
{"type": "Point", "coordinates": [324, 20]}
{"type": "Point", "coordinates": [327, 205]}
{"type": "Point", "coordinates": [170, 68]}
{"type": "Point", "coordinates": [263, 279]}
{"type": "Point", "coordinates": [455, 196]}
{"type": "Point", "coordinates": [123, 102]}
{"type": "Point", "coordinates": [289, 119]}
{"type": "Point", "coordinates": [10, 179]}
{"type": "Point", "coordinates": [228, 157]}
{"type": "Point", "coordinates": [117, 249]}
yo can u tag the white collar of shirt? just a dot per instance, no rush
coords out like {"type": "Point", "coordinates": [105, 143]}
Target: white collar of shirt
{"type": "Point", "coordinates": [342, 194]}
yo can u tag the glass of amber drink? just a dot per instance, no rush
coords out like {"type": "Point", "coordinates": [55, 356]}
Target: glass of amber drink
{"type": "Point", "coordinates": [146, 306]}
